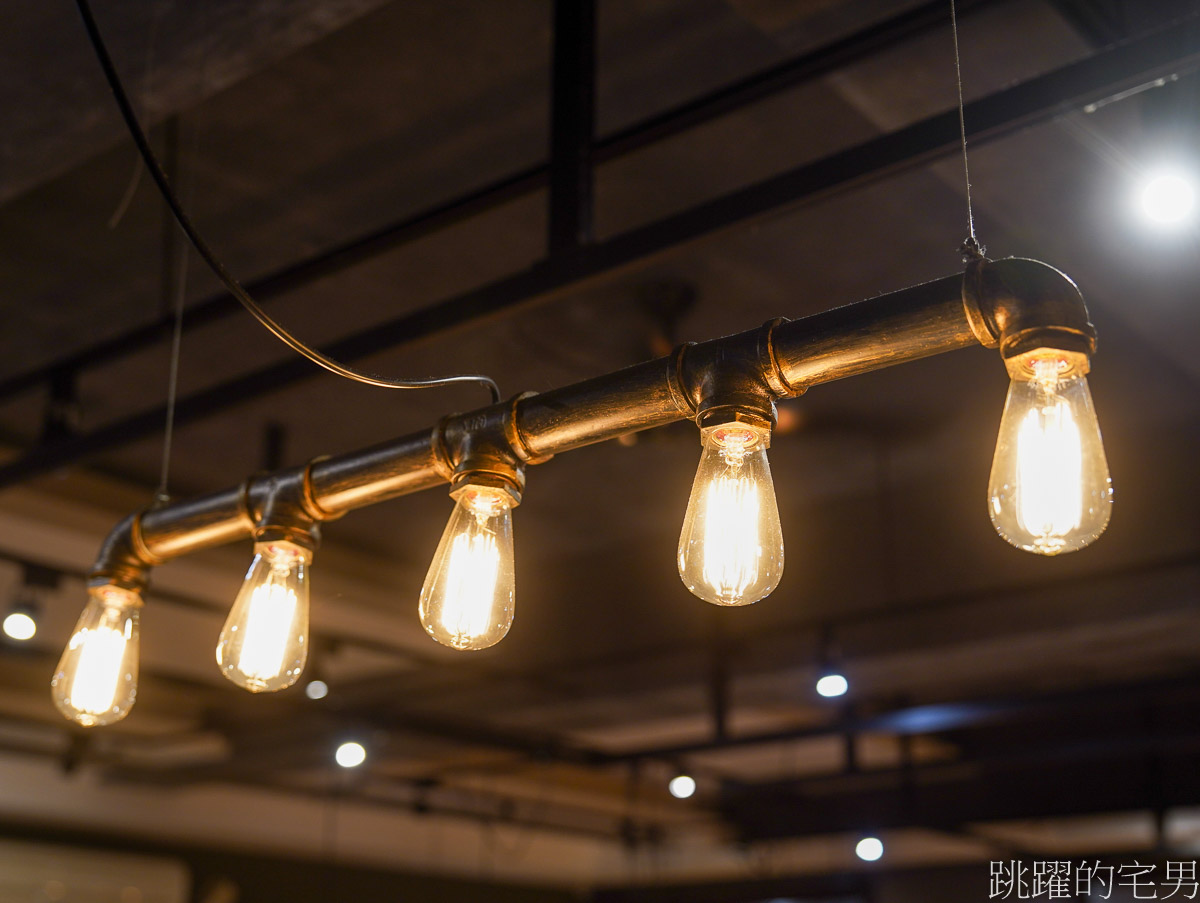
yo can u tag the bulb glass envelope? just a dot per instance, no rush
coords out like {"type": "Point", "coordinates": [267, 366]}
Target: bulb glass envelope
{"type": "Point", "coordinates": [1050, 490]}
{"type": "Point", "coordinates": [731, 545]}
{"type": "Point", "coordinates": [95, 682]}
{"type": "Point", "coordinates": [264, 643]}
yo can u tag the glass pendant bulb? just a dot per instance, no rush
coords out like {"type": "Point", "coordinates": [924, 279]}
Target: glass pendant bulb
{"type": "Point", "coordinates": [468, 597]}
{"type": "Point", "coordinates": [264, 642]}
{"type": "Point", "coordinates": [1050, 491]}
{"type": "Point", "coordinates": [96, 679]}
{"type": "Point", "coordinates": [731, 547]}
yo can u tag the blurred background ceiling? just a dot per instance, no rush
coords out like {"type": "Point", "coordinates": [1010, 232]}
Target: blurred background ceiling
{"type": "Point", "coordinates": [377, 171]}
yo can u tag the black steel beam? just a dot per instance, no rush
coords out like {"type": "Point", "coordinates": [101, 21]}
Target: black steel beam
{"type": "Point", "coordinates": [1172, 50]}
{"type": "Point", "coordinates": [1106, 776]}
{"type": "Point", "coordinates": [572, 122]}
{"type": "Point", "coordinates": [326, 263]}
{"type": "Point", "coordinates": [636, 137]}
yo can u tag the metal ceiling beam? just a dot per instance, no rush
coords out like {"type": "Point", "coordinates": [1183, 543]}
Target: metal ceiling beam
{"type": "Point", "coordinates": [1171, 50]}
{"type": "Point", "coordinates": [1133, 774]}
{"type": "Point", "coordinates": [638, 136]}
{"type": "Point", "coordinates": [934, 718]}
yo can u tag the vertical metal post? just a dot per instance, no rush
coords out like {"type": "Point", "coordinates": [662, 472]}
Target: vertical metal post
{"type": "Point", "coordinates": [719, 677]}
{"type": "Point", "coordinates": [572, 124]}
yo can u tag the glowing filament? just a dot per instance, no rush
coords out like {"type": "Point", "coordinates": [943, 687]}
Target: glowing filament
{"type": "Point", "coordinates": [731, 547]}
{"type": "Point", "coordinates": [1049, 490]}
{"type": "Point", "coordinates": [268, 628]}
{"type": "Point", "coordinates": [97, 676]}
{"type": "Point", "coordinates": [470, 586]}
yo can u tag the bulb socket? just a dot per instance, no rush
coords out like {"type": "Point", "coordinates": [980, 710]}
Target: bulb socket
{"type": "Point", "coordinates": [509, 485]}
{"type": "Point", "coordinates": [305, 537]}
{"type": "Point", "coordinates": [718, 418]}
{"type": "Point", "coordinates": [1070, 363]}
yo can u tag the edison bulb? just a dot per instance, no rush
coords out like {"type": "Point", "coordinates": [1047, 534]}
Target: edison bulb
{"type": "Point", "coordinates": [468, 597]}
{"type": "Point", "coordinates": [264, 642]}
{"type": "Point", "coordinates": [731, 547]}
{"type": "Point", "coordinates": [96, 679]}
{"type": "Point", "coordinates": [1050, 491]}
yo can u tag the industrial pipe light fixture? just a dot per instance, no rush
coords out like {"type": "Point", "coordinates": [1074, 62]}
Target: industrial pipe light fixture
{"type": "Point", "coordinates": [1049, 493]}
{"type": "Point", "coordinates": [1050, 490]}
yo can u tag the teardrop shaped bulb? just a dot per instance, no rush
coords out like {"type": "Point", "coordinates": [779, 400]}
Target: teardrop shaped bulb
{"type": "Point", "coordinates": [1050, 491]}
{"type": "Point", "coordinates": [731, 546]}
{"type": "Point", "coordinates": [264, 642]}
{"type": "Point", "coordinates": [96, 679]}
{"type": "Point", "coordinates": [468, 598]}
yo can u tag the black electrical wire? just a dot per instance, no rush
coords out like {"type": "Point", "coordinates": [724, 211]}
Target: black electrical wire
{"type": "Point", "coordinates": [202, 248]}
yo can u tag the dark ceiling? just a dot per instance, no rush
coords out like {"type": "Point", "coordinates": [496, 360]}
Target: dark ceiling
{"type": "Point", "coordinates": [295, 128]}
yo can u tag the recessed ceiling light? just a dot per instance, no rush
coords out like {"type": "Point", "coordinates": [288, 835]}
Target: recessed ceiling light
{"type": "Point", "coordinates": [682, 786]}
{"type": "Point", "coordinates": [869, 849]}
{"type": "Point", "coordinates": [350, 755]}
{"type": "Point", "coordinates": [832, 685]}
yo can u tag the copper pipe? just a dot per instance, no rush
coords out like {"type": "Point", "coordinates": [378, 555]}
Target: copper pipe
{"type": "Point", "coordinates": [1006, 303]}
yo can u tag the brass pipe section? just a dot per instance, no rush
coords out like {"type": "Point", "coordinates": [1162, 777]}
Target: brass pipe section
{"type": "Point", "coordinates": [1014, 305]}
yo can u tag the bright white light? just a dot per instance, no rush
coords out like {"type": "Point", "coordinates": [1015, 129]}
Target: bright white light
{"type": "Point", "coordinates": [833, 685]}
{"type": "Point", "coordinates": [19, 626]}
{"type": "Point", "coordinates": [869, 849]}
{"type": "Point", "coordinates": [682, 786]}
{"type": "Point", "coordinates": [1168, 198]}
{"type": "Point", "coordinates": [316, 689]}
{"type": "Point", "coordinates": [350, 755]}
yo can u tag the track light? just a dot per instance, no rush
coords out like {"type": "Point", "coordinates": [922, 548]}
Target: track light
{"type": "Point", "coordinates": [350, 754]}
{"type": "Point", "coordinates": [264, 642]}
{"type": "Point", "coordinates": [731, 545]}
{"type": "Point", "coordinates": [96, 679]}
{"type": "Point", "coordinates": [21, 622]}
{"type": "Point", "coordinates": [1050, 491]}
{"type": "Point", "coordinates": [1167, 197]}
{"type": "Point", "coordinates": [832, 684]}
{"type": "Point", "coordinates": [869, 849]}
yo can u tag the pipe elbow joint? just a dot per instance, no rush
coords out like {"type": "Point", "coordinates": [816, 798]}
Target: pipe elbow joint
{"type": "Point", "coordinates": [124, 560]}
{"type": "Point", "coordinates": [1020, 306]}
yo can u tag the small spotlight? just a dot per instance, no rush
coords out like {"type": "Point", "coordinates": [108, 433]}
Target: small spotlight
{"type": "Point", "coordinates": [833, 684]}
{"type": "Point", "coordinates": [20, 626]}
{"type": "Point", "coordinates": [1168, 197]}
{"type": "Point", "coordinates": [316, 689]}
{"type": "Point", "coordinates": [869, 849]}
{"type": "Point", "coordinates": [350, 755]}
{"type": "Point", "coordinates": [682, 786]}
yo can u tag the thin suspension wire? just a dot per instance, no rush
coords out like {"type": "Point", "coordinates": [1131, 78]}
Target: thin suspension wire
{"type": "Point", "coordinates": [163, 495]}
{"type": "Point", "coordinates": [135, 178]}
{"type": "Point", "coordinates": [971, 248]}
{"type": "Point", "coordinates": [202, 248]}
